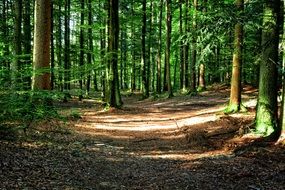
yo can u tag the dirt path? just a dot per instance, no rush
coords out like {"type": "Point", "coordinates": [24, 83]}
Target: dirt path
{"type": "Point", "coordinates": [179, 143]}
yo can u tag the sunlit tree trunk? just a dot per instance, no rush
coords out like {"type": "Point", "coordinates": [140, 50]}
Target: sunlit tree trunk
{"type": "Point", "coordinates": [41, 51]}
{"type": "Point", "coordinates": [266, 114]}
{"type": "Point", "coordinates": [235, 97]}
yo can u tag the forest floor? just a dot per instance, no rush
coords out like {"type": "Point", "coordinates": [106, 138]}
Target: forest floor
{"type": "Point", "coordinates": [178, 143]}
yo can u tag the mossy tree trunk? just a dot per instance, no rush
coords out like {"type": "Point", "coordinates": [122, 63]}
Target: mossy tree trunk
{"type": "Point", "coordinates": [41, 51]}
{"type": "Point", "coordinates": [113, 96]}
{"type": "Point", "coordinates": [235, 97]}
{"type": "Point", "coordinates": [266, 114]}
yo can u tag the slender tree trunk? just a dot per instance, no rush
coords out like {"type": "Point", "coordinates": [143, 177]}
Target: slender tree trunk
{"type": "Point", "coordinates": [186, 48]}
{"type": "Point", "coordinates": [143, 53]}
{"type": "Point", "coordinates": [158, 77]}
{"type": "Point", "coordinates": [82, 53]}
{"type": "Point", "coordinates": [182, 71]}
{"type": "Point", "coordinates": [282, 110]}
{"type": "Point", "coordinates": [90, 51]}
{"type": "Point", "coordinates": [27, 44]}
{"type": "Point", "coordinates": [194, 48]}
{"type": "Point", "coordinates": [17, 44]}
{"type": "Point", "coordinates": [59, 47]}
{"type": "Point", "coordinates": [168, 46]}
{"type": "Point", "coordinates": [67, 48]}
{"type": "Point", "coordinates": [266, 114]}
{"type": "Point", "coordinates": [42, 36]}
{"type": "Point", "coordinates": [113, 95]}
{"type": "Point", "coordinates": [52, 56]}
{"type": "Point", "coordinates": [235, 97]}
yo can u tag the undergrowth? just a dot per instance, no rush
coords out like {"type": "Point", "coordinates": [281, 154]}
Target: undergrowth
{"type": "Point", "coordinates": [18, 109]}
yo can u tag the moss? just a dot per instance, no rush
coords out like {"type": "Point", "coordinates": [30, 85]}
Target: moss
{"type": "Point", "coordinates": [235, 108]}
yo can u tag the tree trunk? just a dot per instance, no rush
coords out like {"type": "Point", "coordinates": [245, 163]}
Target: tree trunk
{"type": "Point", "coordinates": [266, 114]}
{"type": "Point", "coordinates": [113, 95]}
{"type": "Point", "coordinates": [27, 44]}
{"type": "Point", "coordinates": [81, 42]}
{"type": "Point", "coordinates": [158, 77]}
{"type": "Point", "coordinates": [182, 71]}
{"type": "Point", "coordinates": [194, 48]}
{"type": "Point", "coordinates": [67, 48]}
{"type": "Point", "coordinates": [52, 56]}
{"type": "Point", "coordinates": [42, 36]}
{"type": "Point", "coordinates": [168, 46]}
{"type": "Point", "coordinates": [143, 53]}
{"type": "Point", "coordinates": [17, 44]}
{"type": "Point", "coordinates": [235, 97]}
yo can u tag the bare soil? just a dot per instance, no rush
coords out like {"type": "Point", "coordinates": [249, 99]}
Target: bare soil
{"type": "Point", "coordinates": [178, 143]}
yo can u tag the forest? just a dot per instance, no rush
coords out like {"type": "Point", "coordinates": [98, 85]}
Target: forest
{"type": "Point", "coordinates": [147, 94]}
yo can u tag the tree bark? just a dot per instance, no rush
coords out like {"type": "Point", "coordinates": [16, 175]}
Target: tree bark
{"type": "Point", "coordinates": [266, 114]}
{"type": "Point", "coordinates": [113, 95]}
{"type": "Point", "coordinates": [168, 46]}
{"type": "Point", "coordinates": [41, 51]}
{"type": "Point", "coordinates": [235, 97]}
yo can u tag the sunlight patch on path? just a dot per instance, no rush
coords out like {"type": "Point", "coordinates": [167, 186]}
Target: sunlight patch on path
{"type": "Point", "coordinates": [151, 126]}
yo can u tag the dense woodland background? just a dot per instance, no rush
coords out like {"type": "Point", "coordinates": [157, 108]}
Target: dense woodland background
{"type": "Point", "coordinates": [77, 48]}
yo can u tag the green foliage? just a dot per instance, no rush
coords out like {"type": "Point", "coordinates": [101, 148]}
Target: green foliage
{"type": "Point", "coordinates": [22, 108]}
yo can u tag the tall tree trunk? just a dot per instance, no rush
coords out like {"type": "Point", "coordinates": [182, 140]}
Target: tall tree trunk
{"type": "Point", "coordinates": [194, 48]}
{"type": "Point", "coordinates": [202, 82]}
{"type": "Point", "coordinates": [168, 46]}
{"type": "Point", "coordinates": [81, 41]}
{"type": "Point", "coordinates": [42, 36]}
{"type": "Point", "coordinates": [266, 114]}
{"type": "Point", "coordinates": [113, 95]}
{"type": "Point", "coordinates": [90, 51]}
{"type": "Point", "coordinates": [17, 44]}
{"type": "Point", "coordinates": [235, 97]}
{"type": "Point", "coordinates": [182, 71]}
{"type": "Point", "coordinates": [158, 77]}
{"type": "Point", "coordinates": [133, 77]}
{"type": "Point", "coordinates": [186, 48]}
{"type": "Point", "coordinates": [67, 48]}
{"type": "Point", "coordinates": [282, 110]}
{"type": "Point", "coordinates": [143, 53]}
{"type": "Point", "coordinates": [59, 46]}
{"type": "Point", "coordinates": [52, 56]}
{"type": "Point", "coordinates": [27, 44]}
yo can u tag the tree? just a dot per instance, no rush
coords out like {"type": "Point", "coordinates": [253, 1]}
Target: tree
{"type": "Point", "coordinates": [41, 50]}
{"type": "Point", "coordinates": [168, 46]}
{"type": "Point", "coordinates": [113, 96]}
{"type": "Point", "coordinates": [235, 98]}
{"type": "Point", "coordinates": [266, 114]}
{"type": "Point", "coordinates": [18, 7]}
{"type": "Point", "coordinates": [143, 53]}
{"type": "Point", "coordinates": [82, 53]}
{"type": "Point", "coordinates": [158, 59]}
